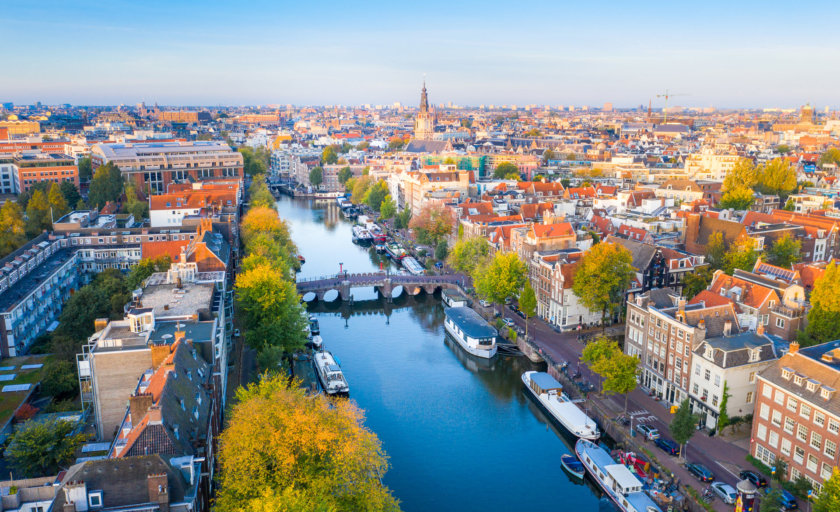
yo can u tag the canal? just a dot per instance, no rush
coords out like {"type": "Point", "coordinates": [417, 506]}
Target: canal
{"type": "Point", "coordinates": [460, 432]}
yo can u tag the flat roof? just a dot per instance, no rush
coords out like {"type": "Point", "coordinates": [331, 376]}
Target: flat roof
{"type": "Point", "coordinates": [470, 322]}
{"type": "Point", "coordinates": [169, 300]}
{"type": "Point", "coordinates": [35, 278]}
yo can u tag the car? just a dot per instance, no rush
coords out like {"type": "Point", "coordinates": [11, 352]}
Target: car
{"type": "Point", "coordinates": [647, 431]}
{"type": "Point", "coordinates": [724, 492]}
{"type": "Point", "coordinates": [519, 312]}
{"type": "Point", "coordinates": [484, 303]}
{"type": "Point", "coordinates": [788, 500]}
{"type": "Point", "coordinates": [700, 471]}
{"type": "Point", "coordinates": [508, 322]}
{"type": "Point", "coordinates": [508, 300]}
{"type": "Point", "coordinates": [236, 333]}
{"type": "Point", "coordinates": [668, 446]}
{"type": "Point", "coordinates": [757, 480]}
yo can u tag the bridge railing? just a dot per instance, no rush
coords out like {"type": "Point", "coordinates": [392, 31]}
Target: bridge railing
{"type": "Point", "coordinates": [395, 278]}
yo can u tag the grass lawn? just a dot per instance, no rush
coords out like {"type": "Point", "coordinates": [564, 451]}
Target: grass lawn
{"type": "Point", "coordinates": [9, 402]}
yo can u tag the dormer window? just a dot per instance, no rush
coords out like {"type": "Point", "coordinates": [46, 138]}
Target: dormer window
{"type": "Point", "coordinates": [826, 392]}
{"type": "Point", "coordinates": [786, 373]}
{"type": "Point", "coordinates": [754, 355]}
{"type": "Point", "coordinates": [812, 385]}
{"type": "Point", "coordinates": [798, 379]}
{"type": "Point", "coordinates": [709, 353]}
{"type": "Point", "coordinates": [95, 499]}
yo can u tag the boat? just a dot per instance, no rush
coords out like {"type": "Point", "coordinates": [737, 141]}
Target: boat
{"type": "Point", "coordinates": [412, 265]}
{"type": "Point", "coordinates": [376, 233]}
{"type": "Point", "coordinates": [317, 342]}
{"type": "Point", "coordinates": [549, 393]}
{"type": "Point", "coordinates": [395, 250]}
{"type": "Point", "coordinates": [634, 463]}
{"type": "Point", "coordinates": [471, 331]}
{"type": "Point", "coordinates": [572, 465]}
{"type": "Point", "coordinates": [453, 298]}
{"type": "Point", "coordinates": [330, 374]}
{"type": "Point", "coordinates": [618, 482]}
{"type": "Point", "coordinates": [360, 234]}
{"type": "Point", "coordinates": [314, 327]}
{"type": "Point", "coordinates": [380, 248]}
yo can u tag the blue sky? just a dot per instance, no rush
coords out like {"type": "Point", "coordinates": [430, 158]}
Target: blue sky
{"type": "Point", "coordinates": [722, 54]}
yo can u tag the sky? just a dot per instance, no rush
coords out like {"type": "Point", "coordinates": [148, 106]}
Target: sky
{"type": "Point", "coordinates": [711, 53]}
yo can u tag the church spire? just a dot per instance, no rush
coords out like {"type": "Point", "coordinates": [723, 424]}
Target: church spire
{"type": "Point", "coordinates": [424, 99]}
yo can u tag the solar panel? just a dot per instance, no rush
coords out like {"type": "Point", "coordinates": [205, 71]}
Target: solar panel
{"type": "Point", "coordinates": [6, 368]}
{"type": "Point", "coordinates": [13, 388]}
{"type": "Point", "coordinates": [7, 377]}
{"type": "Point", "coordinates": [31, 366]}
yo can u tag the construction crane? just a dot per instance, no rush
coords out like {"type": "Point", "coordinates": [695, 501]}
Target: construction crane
{"type": "Point", "coordinates": [667, 94]}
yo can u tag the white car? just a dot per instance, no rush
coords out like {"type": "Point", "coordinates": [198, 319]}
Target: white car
{"type": "Point", "coordinates": [508, 322]}
{"type": "Point", "coordinates": [724, 492]}
{"type": "Point", "coordinates": [647, 431]}
{"type": "Point", "coordinates": [484, 303]}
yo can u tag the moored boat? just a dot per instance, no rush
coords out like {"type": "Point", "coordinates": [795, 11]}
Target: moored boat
{"type": "Point", "coordinates": [395, 250]}
{"type": "Point", "coordinates": [572, 465]}
{"type": "Point", "coordinates": [412, 265]}
{"type": "Point", "coordinates": [618, 482]}
{"type": "Point", "coordinates": [330, 374]}
{"type": "Point", "coordinates": [471, 331]}
{"type": "Point", "coordinates": [549, 393]}
{"type": "Point", "coordinates": [360, 234]}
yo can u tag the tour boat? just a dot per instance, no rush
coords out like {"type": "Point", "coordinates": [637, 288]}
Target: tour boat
{"type": "Point", "coordinates": [549, 393]}
{"type": "Point", "coordinates": [618, 482]}
{"type": "Point", "coordinates": [471, 331]}
{"type": "Point", "coordinates": [329, 373]}
{"type": "Point", "coordinates": [572, 465]}
{"type": "Point", "coordinates": [395, 250]}
{"type": "Point", "coordinates": [412, 265]}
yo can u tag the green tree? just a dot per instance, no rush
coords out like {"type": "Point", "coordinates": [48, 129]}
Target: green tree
{"type": "Point", "coordinates": [777, 177]}
{"type": "Point", "coordinates": [42, 448]}
{"type": "Point", "coordinates": [502, 277]}
{"type": "Point", "coordinates": [376, 194]}
{"type": "Point", "coordinates": [723, 417]}
{"type": "Point", "coordinates": [741, 254]}
{"type": "Point", "coordinates": [527, 303]}
{"type": "Point", "coordinates": [12, 228]}
{"type": "Point", "coordinates": [37, 214]}
{"type": "Point", "coordinates": [145, 268]}
{"type": "Point", "coordinates": [468, 254]}
{"type": "Point", "coordinates": [739, 198]}
{"type": "Point", "coordinates": [831, 156]}
{"type": "Point", "coordinates": [790, 205]}
{"type": "Point", "coordinates": [697, 281]}
{"type": "Point", "coordinates": [60, 380]}
{"type": "Point", "coordinates": [85, 168]}
{"type": "Point", "coordinates": [396, 144]}
{"type": "Point", "coordinates": [533, 132]}
{"type": "Point", "coordinates": [316, 176]}
{"type": "Point", "coordinates": [506, 170]}
{"type": "Point", "coordinates": [772, 501]}
{"type": "Point", "coordinates": [259, 194]}
{"type": "Point", "coordinates": [133, 205]}
{"type": "Point", "coordinates": [621, 374]}
{"type": "Point", "coordinates": [363, 146]}
{"type": "Point", "coordinates": [434, 222]}
{"type": "Point", "coordinates": [602, 276]}
{"type": "Point", "coordinates": [548, 155]}
{"type": "Point", "coordinates": [402, 219]}
{"type": "Point", "coordinates": [715, 250]}
{"type": "Point", "coordinates": [783, 149]}
{"type": "Point", "coordinates": [344, 174]}
{"type": "Point", "coordinates": [824, 317]}
{"type": "Point", "coordinates": [388, 208]}
{"type": "Point", "coordinates": [70, 193]}
{"type": "Point", "coordinates": [785, 251]}
{"type": "Point", "coordinates": [254, 161]}
{"type": "Point", "coordinates": [107, 185]}
{"type": "Point", "coordinates": [285, 451]}
{"type": "Point", "coordinates": [683, 424]}
{"type": "Point", "coordinates": [329, 156]}
{"type": "Point", "coordinates": [441, 250]}
{"type": "Point", "coordinates": [828, 500]}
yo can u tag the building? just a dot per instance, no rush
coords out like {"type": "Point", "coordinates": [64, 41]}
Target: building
{"type": "Point", "coordinates": [33, 168]}
{"type": "Point", "coordinates": [417, 187]}
{"type": "Point", "coordinates": [184, 116]}
{"type": "Point", "coordinates": [21, 127]}
{"type": "Point", "coordinates": [9, 178]}
{"type": "Point", "coordinates": [798, 412]}
{"type": "Point", "coordinates": [157, 164]}
{"type": "Point", "coordinates": [424, 124]}
{"type": "Point", "coordinates": [169, 209]}
{"type": "Point", "coordinates": [708, 165]}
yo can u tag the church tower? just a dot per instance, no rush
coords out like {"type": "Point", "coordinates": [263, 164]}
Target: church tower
{"type": "Point", "coordinates": [424, 126]}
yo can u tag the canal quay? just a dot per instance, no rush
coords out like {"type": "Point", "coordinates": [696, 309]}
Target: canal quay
{"type": "Point", "coordinates": [461, 433]}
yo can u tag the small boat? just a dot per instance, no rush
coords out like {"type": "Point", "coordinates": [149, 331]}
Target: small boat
{"type": "Point", "coordinates": [549, 393]}
{"type": "Point", "coordinates": [314, 327]}
{"type": "Point", "coordinates": [380, 248]}
{"type": "Point", "coordinates": [471, 331]}
{"type": "Point", "coordinates": [572, 465]}
{"type": "Point", "coordinates": [635, 463]}
{"type": "Point", "coordinates": [395, 250]}
{"type": "Point", "coordinates": [330, 374]}
{"type": "Point", "coordinates": [412, 265]}
{"type": "Point", "coordinates": [317, 342]}
{"type": "Point", "coordinates": [618, 482]}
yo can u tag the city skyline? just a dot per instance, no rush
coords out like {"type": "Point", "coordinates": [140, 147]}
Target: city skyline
{"type": "Point", "coordinates": [719, 55]}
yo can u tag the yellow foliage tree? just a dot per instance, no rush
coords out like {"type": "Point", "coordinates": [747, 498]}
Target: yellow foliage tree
{"type": "Point", "coordinates": [284, 451]}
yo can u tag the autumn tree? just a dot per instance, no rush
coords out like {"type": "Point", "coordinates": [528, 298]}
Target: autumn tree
{"type": "Point", "coordinates": [255, 161]}
{"type": "Point", "coordinates": [527, 303]}
{"type": "Point", "coordinates": [828, 499]}
{"type": "Point", "coordinates": [830, 156]}
{"type": "Point", "coordinates": [469, 253]}
{"type": "Point", "coordinates": [402, 219]}
{"type": "Point", "coordinates": [604, 357]}
{"type": "Point", "coordinates": [376, 194]}
{"type": "Point", "coordinates": [388, 208]}
{"type": "Point", "coordinates": [501, 277]}
{"type": "Point", "coordinates": [683, 424]}
{"type": "Point", "coordinates": [273, 314]}
{"type": "Point", "coordinates": [358, 188]}
{"type": "Point", "coordinates": [259, 195]}
{"type": "Point", "coordinates": [283, 450]}
{"type": "Point", "coordinates": [602, 276]}
{"type": "Point", "coordinates": [433, 223]}
{"type": "Point", "coordinates": [506, 171]}
{"type": "Point", "coordinates": [743, 174]}
{"type": "Point", "coordinates": [739, 198]}
{"type": "Point", "coordinates": [824, 317]}
{"type": "Point", "coordinates": [58, 204]}
{"type": "Point", "coordinates": [785, 251]}
{"type": "Point", "coordinates": [12, 227]}
{"type": "Point", "coordinates": [697, 281]}
{"type": "Point", "coordinates": [777, 177]}
{"type": "Point", "coordinates": [41, 448]}
{"type": "Point", "coordinates": [316, 176]}
{"type": "Point", "coordinates": [741, 255]}
{"type": "Point", "coordinates": [329, 156]}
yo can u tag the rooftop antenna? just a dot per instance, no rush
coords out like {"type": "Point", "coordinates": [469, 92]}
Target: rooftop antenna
{"type": "Point", "coordinates": [667, 94]}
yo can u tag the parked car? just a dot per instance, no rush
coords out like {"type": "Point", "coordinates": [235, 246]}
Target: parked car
{"type": "Point", "coordinates": [647, 431]}
{"type": "Point", "coordinates": [519, 312]}
{"type": "Point", "coordinates": [668, 446]}
{"type": "Point", "coordinates": [484, 303]}
{"type": "Point", "coordinates": [508, 300]}
{"type": "Point", "coordinates": [508, 322]}
{"type": "Point", "coordinates": [757, 480]}
{"type": "Point", "coordinates": [700, 471]}
{"type": "Point", "coordinates": [788, 501]}
{"type": "Point", "coordinates": [724, 492]}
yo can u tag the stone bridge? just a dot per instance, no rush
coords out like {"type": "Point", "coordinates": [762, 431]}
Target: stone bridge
{"type": "Point", "coordinates": [383, 282]}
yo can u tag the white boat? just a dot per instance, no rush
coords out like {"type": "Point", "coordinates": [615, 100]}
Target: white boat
{"type": "Point", "coordinates": [360, 234]}
{"type": "Point", "coordinates": [317, 342]}
{"type": "Point", "coordinates": [412, 265]}
{"type": "Point", "coordinates": [471, 331]}
{"type": "Point", "coordinates": [549, 393]}
{"type": "Point", "coordinates": [453, 298]}
{"type": "Point", "coordinates": [329, 373]}
{"type": "Point", "coordinates": [618, 482]}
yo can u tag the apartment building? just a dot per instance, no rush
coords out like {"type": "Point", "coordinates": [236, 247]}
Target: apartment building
{"type": "Point", "coordinates": [552, 276]}
{"type": "Point", "coordinates": [169, 209]}
{"type": "Point", "coordinates": [33, 168]}
{"type": "Point", "coordinates": [709, 165]}
{"type": "Point", "coordinates": [153, 165]}
{"type": "Point", "coordinates": [8, 176]}
{"type": "Point", "coordinates": [798, 412]}
{"type": "Point", "coordinates": [417, 187]}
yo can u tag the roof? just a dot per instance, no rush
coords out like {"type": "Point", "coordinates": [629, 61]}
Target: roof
{"type": "Point", "coordinates": [545, 381]}
{"type": "Point", "coordinates": [642, 253]}
{"type": "Point", "coordinates": [470, 322]}
{"type": "Point", "coordinates": [710, 299]}
{"type": "Point", "coordinates": [428, 146]}
{"type": "Point", "coordinates": [732, 351]}
{"type": "Point", "coordinates": [171, 248]}
{"type": "Point", "coordinates": [808, 363]}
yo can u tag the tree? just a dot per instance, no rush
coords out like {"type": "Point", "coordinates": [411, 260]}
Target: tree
{"type": "Point", "coordinates": [505, 171]}
{"type": "Point", "coordinates": [402, 219]}
{"type": "Point", "coordinates": [824, 317]}
{"type": "Point", "coordinates": [715, 250]}
{"type": "Point", "coordinates": [329, 156]}
{"type": "Point", "coordinates": [344, 174]}
{"type": "Point", "coordinates": [502, 277]}
{"type": "Point", "coordinates": [783, 149]}
{"type": "Point", "coordinates": [12, 228]}
{"type": "Point", "coordinates": [533, 132]}
{"type": "Point", "coordinates": [697, 281]}
{"type": "Point", "coordinates": [363, 146]}
{"type": "Point", "coordinates": [60, 379]}
{"type": "Point", "coordinates": [548, 155]}
{"type": "Point", "coordinates": [790, 205]}
{"type": "Point", "coordinates": [259, 194]}
{"type": "Point", "coordinates": [133, 205]}
{"type": "Point", "coordinates": [396, 144]}
{"type": "Point", "coordinates": [441, 250]}
{"type": "Point", "coordinates": [831, 156]}
{"type": "Point", "coordinates": [43, 448]}
{"type": "Point", "coordinates": [107, 185]}
{"type": "Point", "coordinates": [284, 451]}
{"type": "Point", "coordinates": [358, 188]}
{"type": "Point", "coordinates": [785, 251]}
{"type": "Point", "coordinates": [828, 500]}
{"type": "Point", "coordinates": [602, 276]}
{"type": "Point", "coordinates": [683, 424]}
{"type": "Point", "coordinates": [469, 253]}
{"type": "Point", "coordinates": [255, 161]}
{"type": "Point", "coordinates": [376, 194]}
{"type": "Point", "coordinates": [37, 214]}
{"type": "Point", "coordinates": [772, 501]}
{"type": "Point", "coordinates": [723, 417]}
{"type": "Point", "coordinates": [316, 176]}
{"type": "Point", "coordinates": [527, 303]}
{"type": "Point", "coordinates": [743, 174]}
{"type": "Point", "coordinates": [741, 254]}
{"type": "Point", "coordinates": [739, 198]}
{"type": "Point", "coordinates": [433, 223]}
{"type": "Point", "coordinates": [85, 168]}
{"type": "Point", "coordinates": [777, 177]}
{"type": "Point", "coordinates": [145, 268]}
{"type": "Point", "coordinates": [70, 193]}
{"type": "Point", "coordinates": [388, 208]}
{"type": "Point", "coordinates": [620, 375]}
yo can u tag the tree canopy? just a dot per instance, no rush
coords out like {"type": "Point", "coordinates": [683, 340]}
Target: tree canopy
{"type": "Point", "coordinates": [254, 160]}
{"type": "Point", "coordinates": [388, 208]}
{"type": "Point", "coordinates": [42, 448]}
{"type": "Point", "coordinates": [785, 251]}
{"type": "Point", "coordinates": [830, 156]}
{"type": "Point", "coordinates": [329, 156]}
{"type": "Point", "coordinates": [684, 423]}
{"type": "Point", "coordinates": [285, 451]}
{"type": "Point", "coordinates": [602, 275]}
{"type": "Point", "coordinates": [344, 174]}
{"type": "Point", "coordinates": [501, 277]}
{"type": "Point", "coordinates": [434, 221]}
{"type": "Point", "coordinates": [506, 171]}
{"type": "Point", "coordinates": [316, 176]}
{"type": "Point", "coordinates": [741, 255]}
{"type": "Point", "coordinates": [828, 499]}
{"type": "Point", "coordinates": [107, 185]}
{"type": "Point", "coordinates": [527, 303]}
{"type": "Point", "coordinates": [824, 317]}
{"type": "Point", "coordinates": [469, 253]}
{"type": "Point", "coordinates": [38, 214]}
{"type": "Point", "coordinates": [605, 357]}
{"type": "Point", "coordinates": [12, 228]}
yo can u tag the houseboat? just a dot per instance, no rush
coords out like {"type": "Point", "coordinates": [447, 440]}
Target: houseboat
{"type": "Point", "coordinates": [549, 393]}
{"type": "Point", "coordinates": [395, 250]}
{"type": "Point", "coordinates": [376, 233]}
{"type": "Point", "coordinates": [329, 373]}
{"type": "Point", "coordinates": [361, 235]}
{"type": "Point", "coordinates": [412, 265]}
{"type": "Point", "coordinates": [471, 331]}
{"type": "Point", "coordinates": [453, 299]}
{"type": "Point", "coordinates": [618, 482]}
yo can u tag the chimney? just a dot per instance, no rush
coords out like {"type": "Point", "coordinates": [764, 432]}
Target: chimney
{"type": "Point", "coordinates": [760, 329]}
{"type": "Point", "coordinates": [155, 417]}
{"type": "Point", "coordinates": [138, 405]}
{"type": "Point", "coordinates": [159, 354]}
{"type": "Point", "coordinates": [158, 486]}
{"type": "Point", "coordinates": [794, 347]}
{"type": "Point", "coordinates": [99, 324]}
{"type": "Point", "coordinates": [727, 327]}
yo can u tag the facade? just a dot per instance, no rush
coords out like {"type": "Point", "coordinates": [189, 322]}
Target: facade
{"type": "Point", "coordinates": [798, 412]}
{"type": "Point", "coordinates": [154, 165]}
{"type": "Point", "coordinates": [36, 167]}
{"type": "Point", "coordinates": [21, 127]}
{"type": "Point", "coordinates": [8, 176]}
{"type": "Point", "coordinates": [709, 165]}
{"type": "Point", "coordinates": [417, 187]}
{"type": "Point", "coordinates": [171, 208]}
{"type": "Point", "coordinates": [424, 124]}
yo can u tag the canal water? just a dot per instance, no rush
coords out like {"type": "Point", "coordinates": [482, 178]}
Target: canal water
{"type": "Point", "coordinates": [461, 433]}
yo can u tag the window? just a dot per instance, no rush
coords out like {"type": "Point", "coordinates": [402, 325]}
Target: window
{"type": "Point", "coordinates": [811, 385]}
{"type": "Point", "coordinates": [819, 418]}
{"type": "Point", "coordinates": [752, 377]}
{"type": "Point", "coordinates": [696, 388]}
{"type": "Point", "coordinates": [812, 463]}
{"type": "Point", "coordinates": [797, 379]}
{"type": "Point", "coordinates": [780, 323]}
{"type": "Point", "coordinates": [761, 432]}
{"type": "Point", "coordinates": [708, 375]}
{"type": "Point", "coordinates": [764, 454]}
{"type": "Point", "coordinates": [777, 418]}
{"type": "Point", "coordinates": [749, 397]}
{"type": "Point", "coordinates": [697, 369]}
{"type": "Point", "coordinates": [805, 411]}
{"type": "Point", "coordinates": [792, 403]}
{"type": "Point", "coordinates": [95, 499]}
{"type": "Point", "coordinates": [774, 439]}
{"type": "Point", "coordinates": [833, 426]}
{"type": "Point", "coordinates": [714, 400]}
{"type": "Point", "coordinates": [802, 433]}
{"type": "Point", "coordinates": [816, 441]}
{"type": "Point", "coordinates": [786, 373]}
{"type": "Point", "coordinates": [767, 391]}
{"type": "Point", "coordinates": [780, 397]}
{"type": "Point", "coordinates": [826, 471]}
{"type": "Point", "coordinates": [785, 447]}
{"type": "Point", "coordinates": [830, 448]}
{"type": "Point", "coordinates": [798, 456]}
{"type": "Point", "coordinates": [790, 425]}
